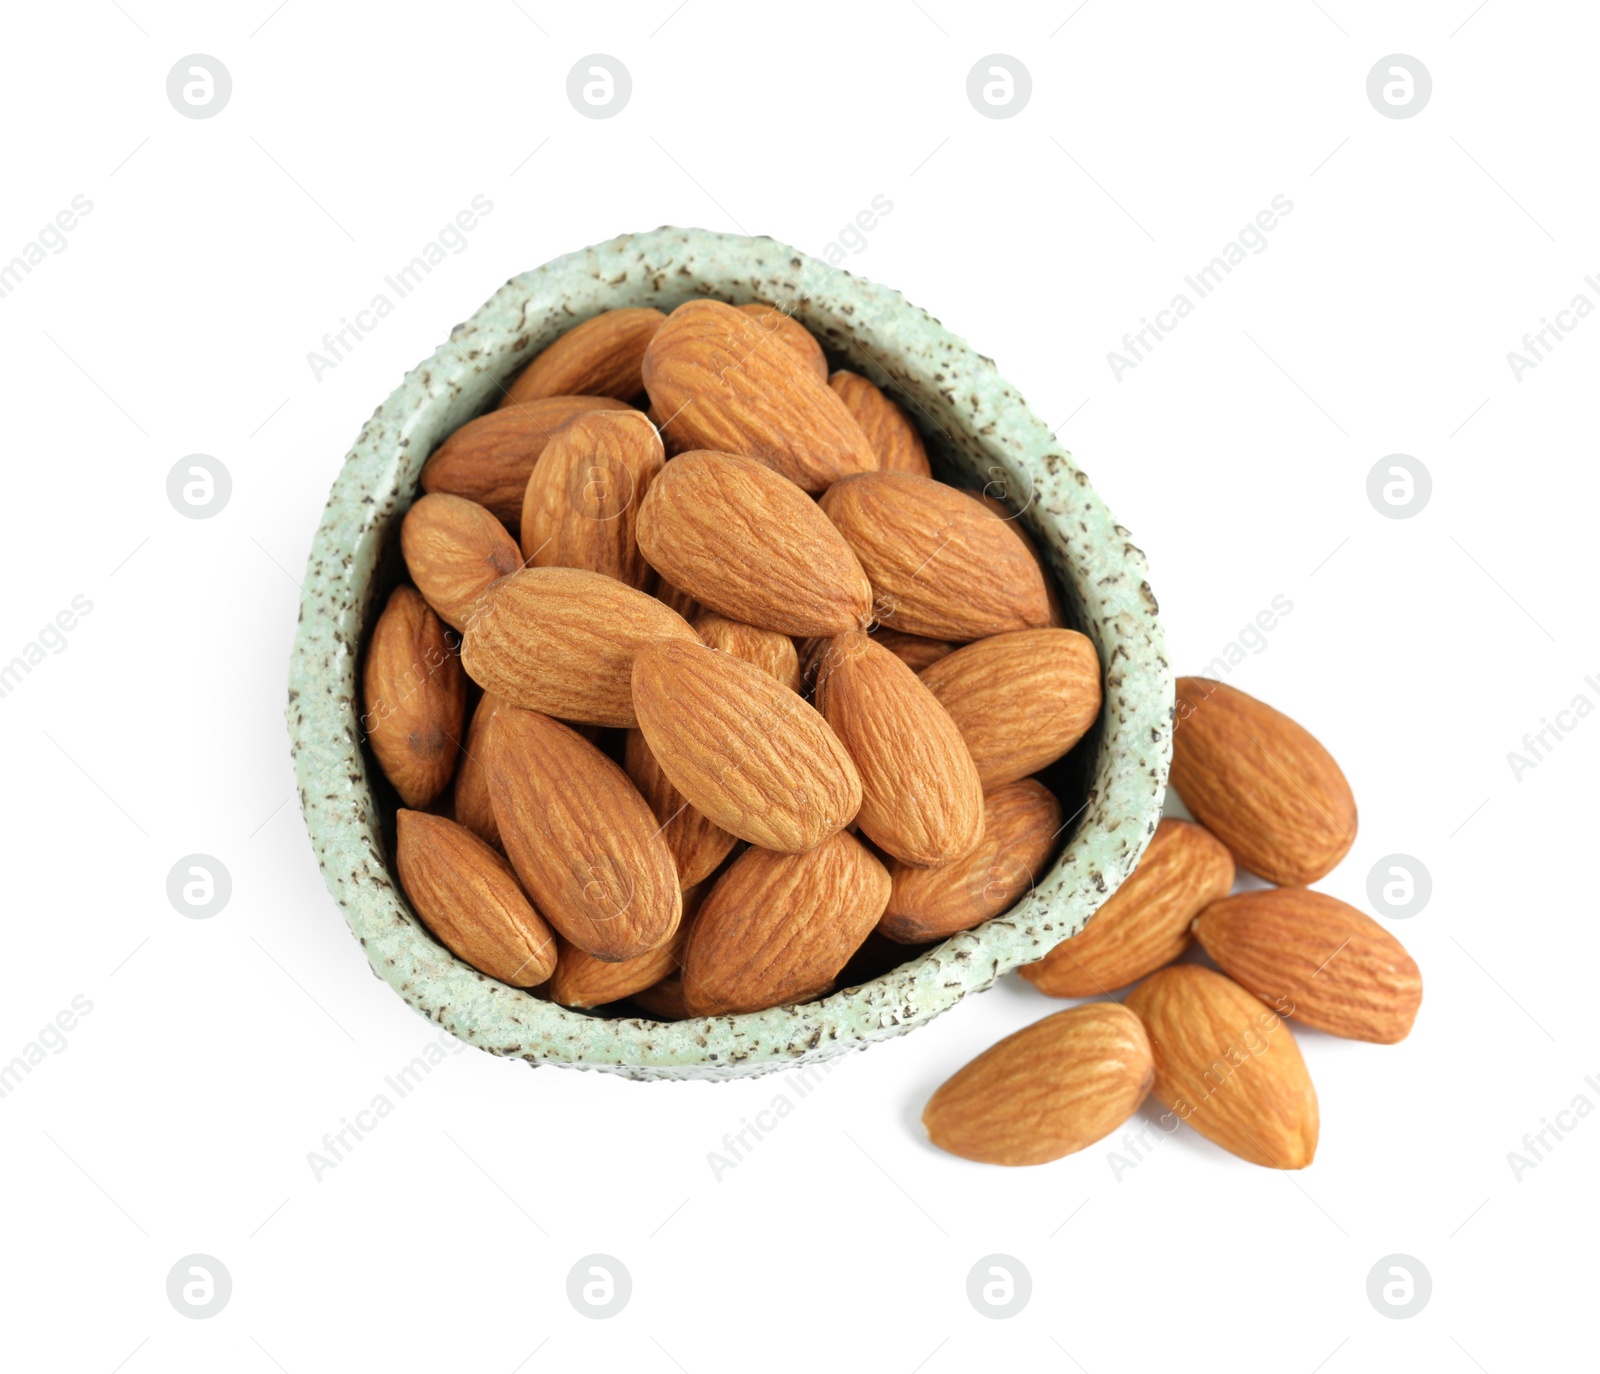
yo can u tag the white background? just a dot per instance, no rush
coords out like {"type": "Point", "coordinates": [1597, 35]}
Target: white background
{"type": "Point", "coordinates": [180, 1114]}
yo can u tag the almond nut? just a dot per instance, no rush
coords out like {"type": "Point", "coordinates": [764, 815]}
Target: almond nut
{"type": "Point", "coordinates": [752, 756]}
{"type": "Point", "coordinates": [777, 928]}
{"type": "Point", "coordinates": [582, 501]}
{"type": "Point", "coordinates": [1021, 823]}
{"type": "Point", "coordinates": [719, 382]}
{"type": "Point", "coordinates": [791, 333]}
{"type": "Point", "coordinates": [455, 550]}
{"type": "Point", "coordinates": [664, 1000]}
{"type": "Point", "coordinates": [1049, 1090]}
{"type": "Point", "coordinates": [1227, 1064]}
{"type": "Point", "coordinates": [1144, 924]}
{"type": "Point", "coordinates": [600, 357]}
{"type": "Point", "coordinates": [467, 895]}
{"type": "Point", "coordinates": [581, 980]}
{"type": "Point", "coordinates": [1340, 970]}
{"type": "Point", "coordinates": [894, 439]}
{"type": "Point", "coordinates": [562, 641]}
{"type": "Point", "coordinates": [752, 546]}
{"type": "Point", "coordinates": [767, 649]}
{"type": "Point", "coordinates": [914, 651]}
{"type": "Point", "coordinates": [940, 564]}
{"type": "Point", "coordinates": [1260, 783]}
{"type": "Point", "coordinates": [921, 800]}
{"type": "Point", "coordinates": [696, 844]}
{"type": "Point", "coordinates": [473, 807]}
{"type": "Point", "coordinates": [680, 601]}
{"type": "Point", "coordinates": [1021, 699]}
{"type": "Point", "coordinates": [581, 838]}
{"type": "Point", "coordinates": [1001, 511]}
{"type": "Point", "coordinates": [414, 698]}
{"type": "Point", "coordinates": [488, 460]}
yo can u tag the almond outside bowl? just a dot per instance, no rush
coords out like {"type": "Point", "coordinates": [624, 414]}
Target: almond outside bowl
{"type": "Point", "coordinates": [979, 433]}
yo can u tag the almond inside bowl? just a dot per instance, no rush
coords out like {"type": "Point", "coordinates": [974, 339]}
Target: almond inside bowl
{"type": "Point", "coordinates": [979, 434]}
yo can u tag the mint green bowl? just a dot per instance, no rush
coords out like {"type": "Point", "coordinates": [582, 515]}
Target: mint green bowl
{"type": "Point", "coordinates": [979, 433]}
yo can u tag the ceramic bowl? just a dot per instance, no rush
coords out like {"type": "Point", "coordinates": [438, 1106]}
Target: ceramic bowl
{"type": "Point", "coordinates": [979, 433]}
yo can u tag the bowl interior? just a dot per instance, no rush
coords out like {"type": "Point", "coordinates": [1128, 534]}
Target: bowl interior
{"type": "Point", "coordinates": [979, 434]}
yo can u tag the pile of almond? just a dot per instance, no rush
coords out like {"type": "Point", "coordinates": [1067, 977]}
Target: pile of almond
{"type": "Point", "coordinates": [1214, 1047]}
{"type": "Point", "coordinates": [753, 684]}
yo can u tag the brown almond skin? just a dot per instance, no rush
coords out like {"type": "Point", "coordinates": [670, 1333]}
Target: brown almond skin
{"type": "Point", "coordinates": [672, 446]}
{"type": "Point", "coordinates": [1228, 1066]}
{"type": "Point", "coordinates": [1342, 971]}
{"type": "Point", "coordinates": [1145, 923]}
{"type": "Point", "coordinates": [1001, 511]}
{"type": "Point", "coordinates": [488, 460]}
{"type": "Point", "coordinates": [473, 807]}
{"type": "Point", "coordinates": [582, 502]}
{"type": "Point", "coordinates": [914, 651]}
{"type": "Point", "coordinates": [940, 564]}
{"type": "Point", "coordinates": [1021, 699]}
{"type": "Point", "coordinates": [414, 698]}
{"type": "Point", "coordinates": [455, 550]}
{"type": "Point", "coordinates": [697, 845]}
{"type": "Point", "coordinates": [750, 545]}
{"type": "Point", "coordinates": [921, 799]}
{"type": "Point", "coordinates": [562, 641]}
{"type": "Point", "coordinates": [1047, 1091]}
{"type": "Point", "coordinates": [600, 357]}
{"type": "Point", "coordinates": [755, 758]}
{"type": "Point", "coordinates": [777, 928]}
{"type": "Point", "coordinates": [791, 334]}
{"type": "Point", "coordinates": [583, 843]}
{"type": "Point", "coordinates": [467, 895]}
{"type": "Point", "coordinates": [663, 1001]}
{"type": "Point", "coordinates": [894, 439]}
{"type": "Point", "coordinates": [583, 981]}
{"type": "Point", "coordinates": [580, 980]}
{"type": "Point", "coordinates": [680, 601]}
{"type": "Point", "coordinates": [715, 377]}
{"type": "Point", "coordinates": [1021, 823]}
{"type": "Point", "coordinates": [1261, 783]}
{"type": "Point", "coordinates": [767, 649]}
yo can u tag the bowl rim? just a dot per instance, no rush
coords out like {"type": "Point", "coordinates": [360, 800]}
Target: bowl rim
{"type": "Point", "coordinates": [987, 430]}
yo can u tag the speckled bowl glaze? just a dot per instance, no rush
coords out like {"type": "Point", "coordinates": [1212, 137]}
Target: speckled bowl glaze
{"type": "Point", "coordinates": [979, 433]}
